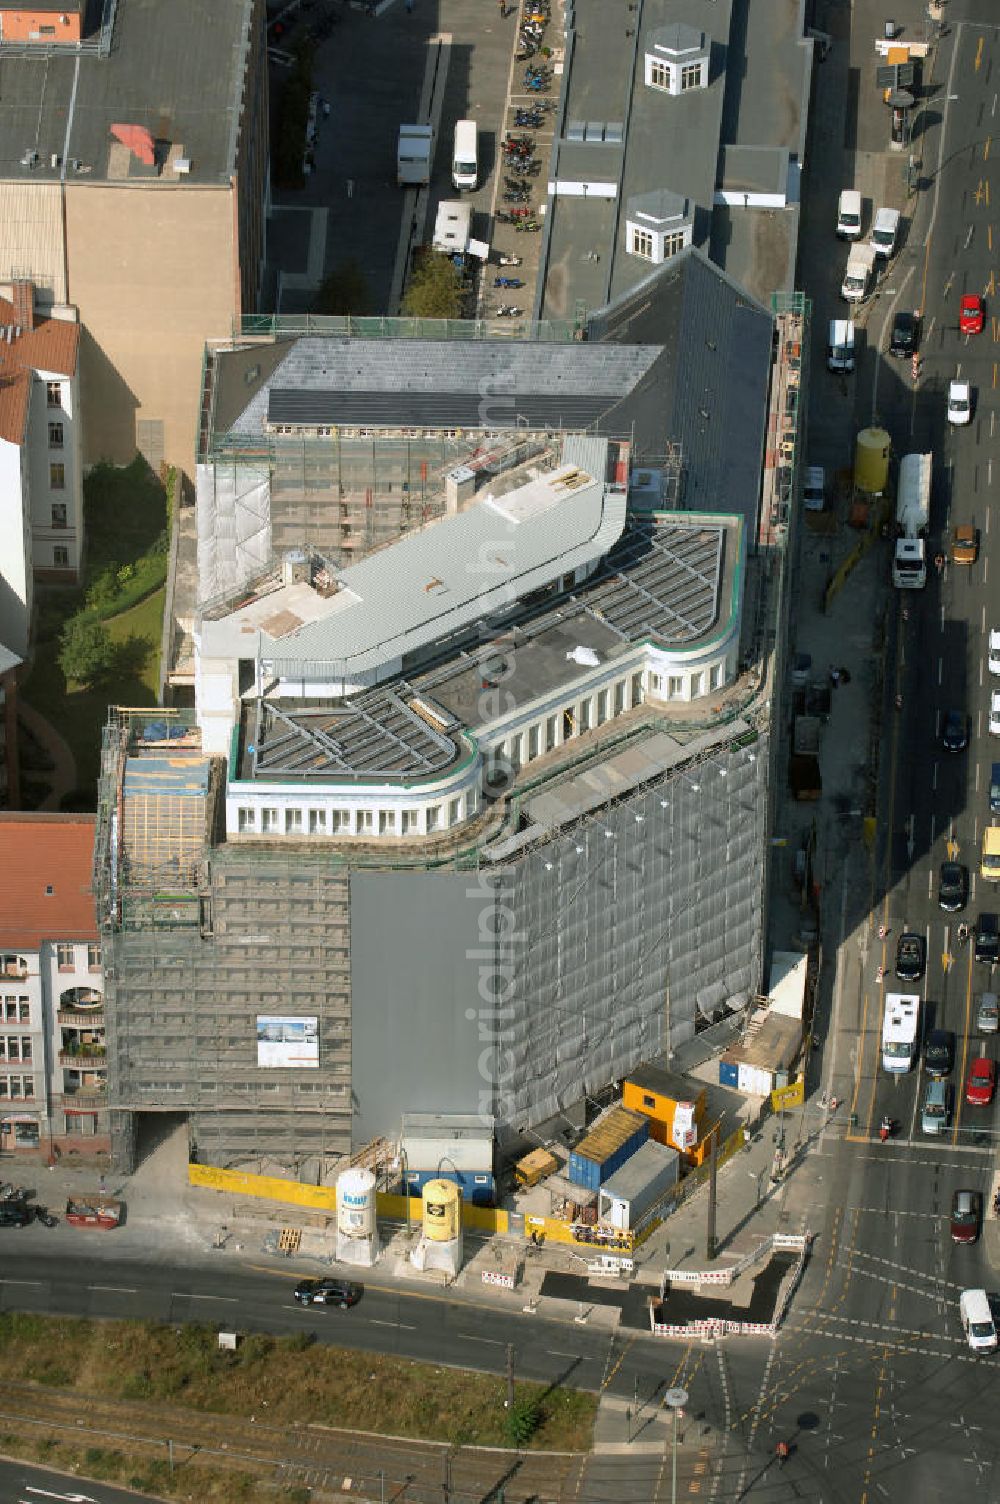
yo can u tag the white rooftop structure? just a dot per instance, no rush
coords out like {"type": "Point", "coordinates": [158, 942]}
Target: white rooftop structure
{"type": "Point", "coordinates": [356, 630]}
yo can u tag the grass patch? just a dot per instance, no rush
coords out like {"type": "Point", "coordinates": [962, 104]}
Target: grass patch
{"type": "Point", "coordinates": [79, 713]}
{"type": "Point", "coordinates": [127, 515]}
{"type": "Point", "coordinates": [334, 1387]}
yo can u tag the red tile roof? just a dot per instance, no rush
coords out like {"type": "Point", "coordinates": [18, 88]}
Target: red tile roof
{"type": "Point", "coordinates": [15, 389]}
{"type": "Point", "coordinates": [52, 345]}
{"type": "Point", "coordinates": [38, 852]}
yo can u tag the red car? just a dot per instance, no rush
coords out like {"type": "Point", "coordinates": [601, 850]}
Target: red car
{"type": "Point", "coordinates": [970, 314]}
{"type": "Point", "coordinates": [981, 1082]}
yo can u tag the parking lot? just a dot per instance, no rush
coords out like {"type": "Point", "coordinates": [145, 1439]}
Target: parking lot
{"type": "Point", "coordinates": [373, 72]}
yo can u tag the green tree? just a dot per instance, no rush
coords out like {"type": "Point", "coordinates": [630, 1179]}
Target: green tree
{"type": "Point", "coordinates": [344, 291]}
{"type": "Point", "coordinates": [86, 650]}
{"type": "Point", "coordinates": [435, 289]}
{"type": "Point", "coordinates": [523, 1421]}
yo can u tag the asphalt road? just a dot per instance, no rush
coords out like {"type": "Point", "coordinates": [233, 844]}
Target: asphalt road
{"type": "Point", "coordinates": [871, 1380]}
{"type": "Point", "coordinates": [22, 1484]}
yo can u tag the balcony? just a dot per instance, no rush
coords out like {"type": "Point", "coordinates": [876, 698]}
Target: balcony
{"type": "Point", "coordinates": [92, 1097]}
{"type": "Point", "coordinates": [73, 1019]}
{"type": "Point", "coordinates": [85, 1058]}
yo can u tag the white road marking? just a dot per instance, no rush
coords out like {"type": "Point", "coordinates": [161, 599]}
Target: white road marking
{"type": "Point", "coordinates": [116, 1289]}
{"type": "Point", "coordinates": [402, 1325]}
{"type": "Point", "coordinates": [232, 1300]}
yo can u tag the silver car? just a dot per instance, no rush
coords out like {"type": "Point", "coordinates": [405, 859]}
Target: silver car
{"type": "Point", "coordinates": [988, 1013]}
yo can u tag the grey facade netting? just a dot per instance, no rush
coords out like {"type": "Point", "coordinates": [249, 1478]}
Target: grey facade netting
{"type": "Point", "coordinates": [626, 934]}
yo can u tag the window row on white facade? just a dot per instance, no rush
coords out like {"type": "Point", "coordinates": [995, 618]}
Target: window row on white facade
{"type": "Point", "coordinates": [299, 815]}
{"type": "Point", "coordinates": [70, 957]}
{"type": "Point", "coordinates": [318, 820]}
{"type": "Point", "coordinates": [13, 1088]}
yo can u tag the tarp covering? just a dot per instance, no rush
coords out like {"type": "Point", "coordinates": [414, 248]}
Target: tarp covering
{"type": "Point", "coordinates": [138, 140]}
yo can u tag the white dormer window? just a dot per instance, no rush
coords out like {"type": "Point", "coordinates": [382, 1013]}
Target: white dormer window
{"type": "Point", "coordinates": [658, 225]}
{"type": "Point", "coordinates": [643, 243]}
{"type": "Point", "coordinates": [677, 59]}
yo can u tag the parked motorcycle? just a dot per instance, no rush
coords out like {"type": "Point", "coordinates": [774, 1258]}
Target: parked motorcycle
{"type": "Point", "coordinates": [511, 260]}
{"type": "Point", "coordinates": [508, 282]}
{"type": "Point", "coordinates": [506, 311]}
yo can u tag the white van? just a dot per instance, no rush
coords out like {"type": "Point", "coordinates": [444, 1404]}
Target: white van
{"type": "Point", "coordinates": [977, 1320]}
{"type": "Point", "coordinates": [849, 214]}
{"type": "Point", "coordinates": [465, 157]}
{"type": "Point", "coordinates": [840, 345]}
{"type": "Point", "coordinates": [885, 229]}
{"type": "Point", "coordinates": [814, 489]}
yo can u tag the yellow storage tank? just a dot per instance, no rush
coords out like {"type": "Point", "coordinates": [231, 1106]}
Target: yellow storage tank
{"type": "Point", "coordinates": [442, 1211]}
{"type": "Point", "coordinates": [871, 461]}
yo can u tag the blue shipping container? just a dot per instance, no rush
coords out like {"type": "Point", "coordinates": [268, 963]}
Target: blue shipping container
{"type": "Point", "coordinates": [729, 1073]}
{"type": "Point", "coordinates": [592, 1173]}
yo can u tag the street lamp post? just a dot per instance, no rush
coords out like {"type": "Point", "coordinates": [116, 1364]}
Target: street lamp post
{"type": "Point", "coordinates": [676, 1399]}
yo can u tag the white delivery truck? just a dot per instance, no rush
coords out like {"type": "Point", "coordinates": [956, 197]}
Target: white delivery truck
{"type": "Point", "coordinates": [858, 276]}
{"type": "Point", "coordinates": [414, 154]}
{"type": "Point", "coordinates": [913, 515]}
{"type": "Point", "coordinates": [465, 157]}
{"type": "Point", "coordinates": [900, 1032]}
{"type": "Point", "coordinates": [849, 214]}
{"type": "Point", "coordinates": [840, 345]}
{"type": "Point", "coordinates": [885, 230]}
{"type": "Point", "coordinates": [452, 227]}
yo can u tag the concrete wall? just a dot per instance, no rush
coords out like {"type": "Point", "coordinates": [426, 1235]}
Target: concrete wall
{"type": "Point", "coordinates": [152, 271]}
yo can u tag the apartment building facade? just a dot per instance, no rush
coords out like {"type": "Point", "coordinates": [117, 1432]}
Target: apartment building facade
{"type": "Point", "coordinates": [41, 473]}
{"type": "Point", "coordinates": [52, 1054]}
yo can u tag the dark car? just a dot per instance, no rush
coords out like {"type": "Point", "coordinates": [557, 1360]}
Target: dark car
{"type": "Point", "coordinates": [14, 1214]}
{"type": "Point", "coordinates": [966, 1214]}
{"type": "Point", "coordinates": [328, 1292]}
{"type": "Point", "coordinates": [911, 957]}
{"type": "Point", "coordinates": [955, 731]}
{"type": "Point", "coordinates": [953, 887]}
{"type": "Point", "coordinates": [988, 939]}
{"type": "Point", "coordinates": [903, 340]}
{"type": "Point", "coordinates": [939, 1053]}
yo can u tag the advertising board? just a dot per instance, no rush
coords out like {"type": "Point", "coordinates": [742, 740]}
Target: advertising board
{"type": "Point", "coordinates": [285, 1041]}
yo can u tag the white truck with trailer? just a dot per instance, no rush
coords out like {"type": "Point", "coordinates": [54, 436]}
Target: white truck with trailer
{"type": "Point", "coordinates": [414, 154]}
{"type": "Point", "coordinates": [858, 276]}
{"type": "Point", "coordinates": [913, 515]}
{"type": "Point", "coordinates": [900, 1032]}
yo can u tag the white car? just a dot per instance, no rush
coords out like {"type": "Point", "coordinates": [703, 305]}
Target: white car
{"type": "Point", "coordinates": [959, 402]}
{"type": "Point", "coordinates": [993, 658]}
{"type": "Point", "coordinates": [995, 713]}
